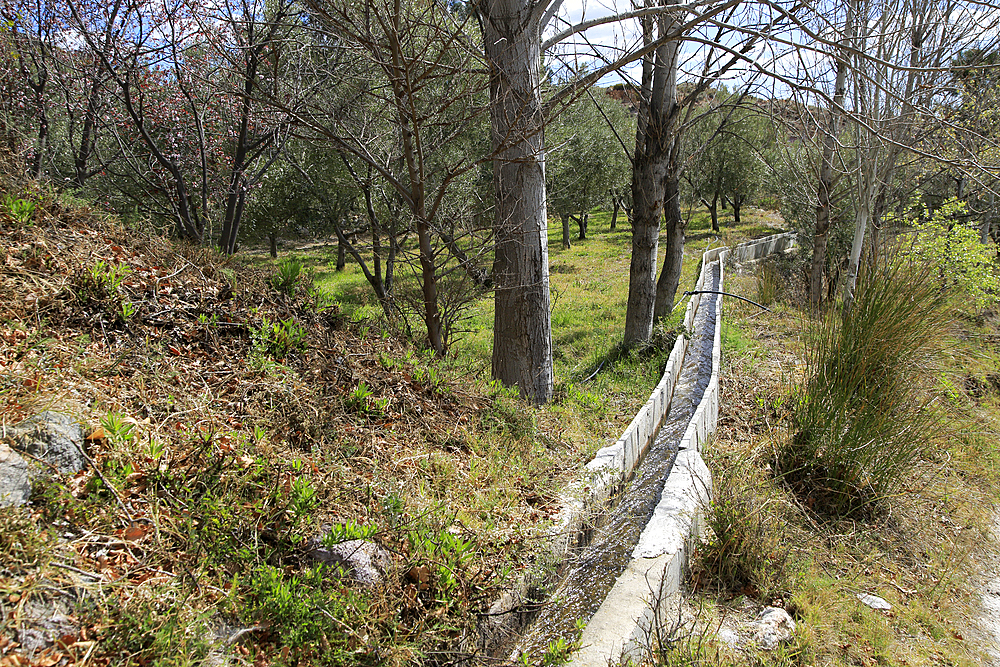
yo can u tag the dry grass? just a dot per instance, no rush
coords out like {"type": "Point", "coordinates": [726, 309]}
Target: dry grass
{"type": "Point", "coordinates": [229, 422]}
{"type": "Point", "coordinates": [920, 553]}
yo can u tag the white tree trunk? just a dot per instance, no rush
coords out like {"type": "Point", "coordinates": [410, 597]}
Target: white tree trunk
{"type": "Point", "coordinates": [522, 334]}
{"type": "Point", "coordinates": [865, 203]}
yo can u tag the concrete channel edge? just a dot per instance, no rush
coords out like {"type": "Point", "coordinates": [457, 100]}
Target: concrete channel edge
{"type": "Point", "coordinates": [625, 628]}
{"type": "Point", "coordinates": [648, 592]}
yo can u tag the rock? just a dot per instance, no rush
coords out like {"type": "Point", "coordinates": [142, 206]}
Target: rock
{"type": "Point", "coordinates": [730, 637]}
{"type": "Point", "coordinates": [874, 601]}
{"type": "Point", "coordinates": [366, 562]}
{"type": "Point", "coordinates": [43, 623]}
{"type": "Point", "coordinates": [15, 479]}
{"type": "Point", "coordinates": [772, 627]}
{"type": "Point", "coordinates": [53, 437]}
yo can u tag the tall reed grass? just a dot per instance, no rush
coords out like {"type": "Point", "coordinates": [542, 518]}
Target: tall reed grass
{"type": "Point", "coordinates": [861, 417]}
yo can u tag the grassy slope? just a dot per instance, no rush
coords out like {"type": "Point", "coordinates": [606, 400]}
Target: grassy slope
{"type": "Point", "coordinates": [923, 556]}
{"type": "Point", "coordinates": [229, 422]}
{"type": "Point", "coordinates": [220, 450]}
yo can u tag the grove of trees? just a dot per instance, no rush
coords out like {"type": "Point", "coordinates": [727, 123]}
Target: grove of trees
{"type": "Point", "coordinates": [436, 140]}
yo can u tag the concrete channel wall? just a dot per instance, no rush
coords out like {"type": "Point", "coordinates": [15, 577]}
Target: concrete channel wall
{"type": "Point", "coordinates": [646, 595]}
{"type": "Point", "coordinates": [611, 467]}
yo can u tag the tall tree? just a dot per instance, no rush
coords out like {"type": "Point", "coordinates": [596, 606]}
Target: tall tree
{"type": "Point", "coordinates": [522, 329]}
{"type": "Point", "coordinates": [827, 172]}
{"type": "Point", "coordinates": [657, 167]}
{"type": "Point", "coordinates": [522, 346]}
{"type": "Point", "coordinates": [406, 93]}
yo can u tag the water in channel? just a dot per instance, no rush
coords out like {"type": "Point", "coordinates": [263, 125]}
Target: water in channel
{"type": "Point", "coordinates": [594, 568]}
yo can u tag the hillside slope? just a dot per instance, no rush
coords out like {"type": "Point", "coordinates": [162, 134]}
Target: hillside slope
{"type": "Point", "coordinates": [230, 420]}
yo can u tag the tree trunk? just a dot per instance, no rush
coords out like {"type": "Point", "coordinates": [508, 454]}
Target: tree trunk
{"type": "Point", "coordinates": [272, 239]}
{"type": "Point", "coordinates": [87, 137]}
{"type": "Point", "coordinates": [522, 335]}
{"type": "Point", "coordinates": [43, 135]}
{"type": "Point", "coordinates": [864, 210]}
{"type": "Point", "coordinates": [647, 198]}
{"type": "Point", "coordinates": [582, 222]}
{"type": "Point", "coordinates": [857, 245]}
{"type": "Point", "coordinates": [566, 244]}
{"type": "Point", "coordinates": [616, 203]}
{"type": "Point", "coordinates": [238, 179]}
{"type": "Point", "coordinates": [827, 177]}
{"type": "Point", "coordinates": [984, 226]}
{"type": "Point", "coordinates": [737, 205]}
{"type": "Point", "coordinates": [655, 132]}
{"type": "Point", "coordinates": [341, 255]}
{"type": "Point", "coordinates": [713, 209]}
{"type": "Point", "coordinates": [674, 228]}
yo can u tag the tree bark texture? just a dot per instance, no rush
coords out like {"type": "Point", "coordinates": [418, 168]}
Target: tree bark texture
{"type": "Point", "coordinates": [827, 175]}
{"type": "Point", "coordinates": [673, 247]}
{"type": "Point", "coordinates": [522, 334]}
{"type": "Point", "coordinates": [647, 198]}
{"type": "Point", "coordinates": [655, 132]}
{"type": "Point", "coordinates": [566, 242]}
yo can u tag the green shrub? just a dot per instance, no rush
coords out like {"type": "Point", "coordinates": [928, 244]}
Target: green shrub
{"type": "Point", "coordinates": [744, 549]}
{"type": "Point", "coordinates": [22, 210]}
{"type": "Point", "coordinates": [278, 338]}
{"type": "Point", "coordinates": [288, 274]}
{"type": "Point", "coordinates": [861, 417]}
{"type": "Point", "coordinates": [951, 243]}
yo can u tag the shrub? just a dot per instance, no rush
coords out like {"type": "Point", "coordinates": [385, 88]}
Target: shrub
{"type": "Point", "coordinates": [945, 239]}
{"type": "Point", "coordinates": [861, 417]}
{"type": "Point", "coordinates": [744, 550]}
{"type": "Point", "coordinates": [288, 274]}
{"type": "Point", "coordinates": [278, 338]}
{"type": "Point", "coordinates": [22, 210]}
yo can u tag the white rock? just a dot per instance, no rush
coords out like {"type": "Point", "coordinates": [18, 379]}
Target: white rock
{"type": "Point", "coordinates": [730, 637]}
{"type": "Point", "coordinates": [772, 627]}
{"type": "Point", "coordinates": [15, 478]}
{"type": "Point", "coordinates": [874, 601]}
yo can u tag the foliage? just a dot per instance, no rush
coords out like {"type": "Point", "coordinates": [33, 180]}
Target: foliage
{"type": "Point", "coordinates": [278, 338]}
{"type": "Point", "coordinates": [862, 411]}
{"type": "Point", "coordinates": [22, 210]}
{"type": "Point", "coordinates": [585, 159]}
{"type": "Point", "coordinates": [288, 274]}
{"type": "Point", "coordinates": [952, 245]}
{"type": "Point", "coordinates": [21, 541]}
{"type": "Point", "coordinates": [730, 147]}
{"type": "Point", "coordinates": [794, 179]}
{"type": "Point", "coordinates": [306, 612]}
{"type": "Point", "coordinates": [744, 550]}
{"type": "Point", "coordinates": [154, 628]}
{"type": "Point", "coordinates": [106, 279]}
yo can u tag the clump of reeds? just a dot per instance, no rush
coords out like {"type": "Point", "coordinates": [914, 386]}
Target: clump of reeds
{"type": "Point", "coordinates": [746, 519]}
{"type": "Point", "coordinates": [861, 417]}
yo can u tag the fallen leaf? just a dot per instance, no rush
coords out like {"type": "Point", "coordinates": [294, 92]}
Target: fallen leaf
{"type": "Point", "coordinates": [135, 532]}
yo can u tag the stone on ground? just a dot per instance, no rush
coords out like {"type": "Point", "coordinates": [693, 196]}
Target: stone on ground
{"type": "Point", "coordinates": [772, 627]}
{"type": "Point", "coordinates": [52, 437]}
{"type": "Point", "coordinates": [366, 562]}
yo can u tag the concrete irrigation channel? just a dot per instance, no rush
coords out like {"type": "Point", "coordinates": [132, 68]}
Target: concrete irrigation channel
{"type": "Point", "coordinates": [627, 527]}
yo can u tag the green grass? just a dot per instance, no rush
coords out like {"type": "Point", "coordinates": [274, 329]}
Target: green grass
{"type": "Point", "coordinates": [589, 296]}
{"type": "Point", "coordinates": [919, 551]}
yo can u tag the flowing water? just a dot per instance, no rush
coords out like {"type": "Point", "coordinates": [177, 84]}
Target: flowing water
{"type": "Point", "coordinates": [594, 568]}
